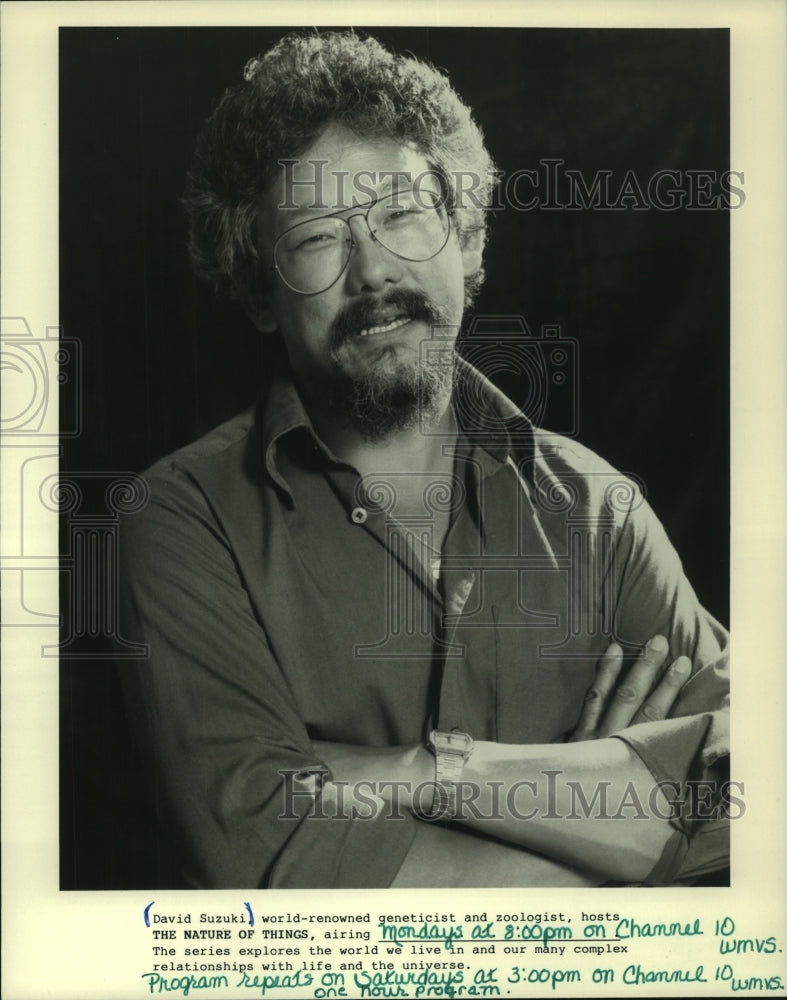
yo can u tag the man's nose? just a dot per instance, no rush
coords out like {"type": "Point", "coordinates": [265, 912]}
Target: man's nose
{"type": "Point", "coordinates": [371, 266]}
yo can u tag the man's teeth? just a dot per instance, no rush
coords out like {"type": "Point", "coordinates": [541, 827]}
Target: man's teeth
{"type": "Point", "coordinates": [369, 331]}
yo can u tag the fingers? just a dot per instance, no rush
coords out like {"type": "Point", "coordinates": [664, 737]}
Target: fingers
{"type": "Point", "coordinates": [598, 695]}
{"type": "Point", "coordinates": [631, 696]}
{"type": "Point", "coordinates": [645, 694]}
{"type": "Point", "coordinates": [660, 701]}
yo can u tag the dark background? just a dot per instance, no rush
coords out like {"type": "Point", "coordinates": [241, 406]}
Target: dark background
{"type": "Point", "coordinates": [644, 293]}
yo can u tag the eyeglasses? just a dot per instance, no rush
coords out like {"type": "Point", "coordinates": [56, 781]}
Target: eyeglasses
{"type": "Point", "coordinates": [311, 256]}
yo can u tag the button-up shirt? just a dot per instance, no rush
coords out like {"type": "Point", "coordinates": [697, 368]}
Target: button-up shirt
{"type": "Point", "coordinates": [284, 599]}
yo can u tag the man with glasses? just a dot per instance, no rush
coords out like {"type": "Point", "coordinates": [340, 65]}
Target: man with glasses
{"type": "Point", "coordinates": [388, 618]}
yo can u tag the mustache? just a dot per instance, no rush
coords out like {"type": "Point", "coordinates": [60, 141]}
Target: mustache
{"type": "Point", "coordinates": [368, 311]}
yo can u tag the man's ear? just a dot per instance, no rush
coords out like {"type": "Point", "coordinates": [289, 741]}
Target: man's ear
{"type": "Point", "coordinates": [260, 312]}
{"type": "Point", "coordinates": [472, 252]}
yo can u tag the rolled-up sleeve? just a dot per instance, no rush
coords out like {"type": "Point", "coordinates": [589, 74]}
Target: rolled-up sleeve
{"type": "Point", "coordinates": [237, 784]}
{"type": "Point", "coordinates": [688, 753]}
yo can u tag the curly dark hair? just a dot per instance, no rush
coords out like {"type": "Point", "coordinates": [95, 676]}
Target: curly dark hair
{"type": "Point", "coordinates": [288, 97]}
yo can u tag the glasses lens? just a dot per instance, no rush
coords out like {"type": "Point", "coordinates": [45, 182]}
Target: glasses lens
{"type": "Point", "coordinates": [412, 224]}
{"type": "Point", "coordinates": [311, 256]}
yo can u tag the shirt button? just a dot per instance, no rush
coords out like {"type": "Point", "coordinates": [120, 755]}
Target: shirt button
{"type": "Point", "coordinates": [359, 515]}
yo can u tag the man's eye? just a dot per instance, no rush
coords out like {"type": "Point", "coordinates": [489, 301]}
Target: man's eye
{"type": "Point", "coordinates": [315, 241]}
{"type": "Point", "coordinates": [396, 215]}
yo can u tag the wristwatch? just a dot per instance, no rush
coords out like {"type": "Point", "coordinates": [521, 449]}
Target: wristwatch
{"type": "Point", "coordinates": [451, 751]}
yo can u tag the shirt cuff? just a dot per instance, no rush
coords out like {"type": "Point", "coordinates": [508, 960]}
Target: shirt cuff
{"type": "Point", "coordinates": [331, 848]}
{"type": "Point", "coordinates": [688, 758]}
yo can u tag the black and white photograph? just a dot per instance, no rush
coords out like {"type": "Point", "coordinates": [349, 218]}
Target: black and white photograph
{"type": "Point", "coordinates": [401, 622]}
{"type": "Point", "coordinates": [392, 429]}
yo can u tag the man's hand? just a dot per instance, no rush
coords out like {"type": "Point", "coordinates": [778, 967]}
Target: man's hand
{"type": "Point", "coordinates": [646, 693]}
{"type": "Point", "coordinates": [517, 791]}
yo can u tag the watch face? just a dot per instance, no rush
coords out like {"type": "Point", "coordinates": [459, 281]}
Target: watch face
{"type": "Point", "coordinates": [451, 742]}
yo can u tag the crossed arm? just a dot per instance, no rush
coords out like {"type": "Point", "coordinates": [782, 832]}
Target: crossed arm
{"type": "Point", "coordinates": [523, 796]}
{"type": "Point", "coordinates": [218, 727]}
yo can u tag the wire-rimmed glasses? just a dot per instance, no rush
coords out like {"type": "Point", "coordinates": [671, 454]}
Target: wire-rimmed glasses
{"type": "Point", "coordinates": [311, 256]}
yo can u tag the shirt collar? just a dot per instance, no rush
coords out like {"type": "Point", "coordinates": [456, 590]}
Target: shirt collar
{"type": "Point", "coordinates": [282, 413]}
{"type": "Point", "coordinates": [486, 417]}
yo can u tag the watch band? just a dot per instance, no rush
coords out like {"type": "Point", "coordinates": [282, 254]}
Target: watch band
{"type": "Point", "coordinates": [451, 751]}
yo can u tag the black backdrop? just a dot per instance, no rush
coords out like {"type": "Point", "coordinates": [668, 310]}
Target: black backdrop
{"type": "Point", "coordinates": [643, 292]}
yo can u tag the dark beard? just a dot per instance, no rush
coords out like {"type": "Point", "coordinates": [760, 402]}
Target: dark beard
{"type": "Point", "coordinates": [379, 403]}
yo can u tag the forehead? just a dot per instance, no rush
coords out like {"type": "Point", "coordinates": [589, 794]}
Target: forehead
{"type": "Point", "coordinates": [342, 170]}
